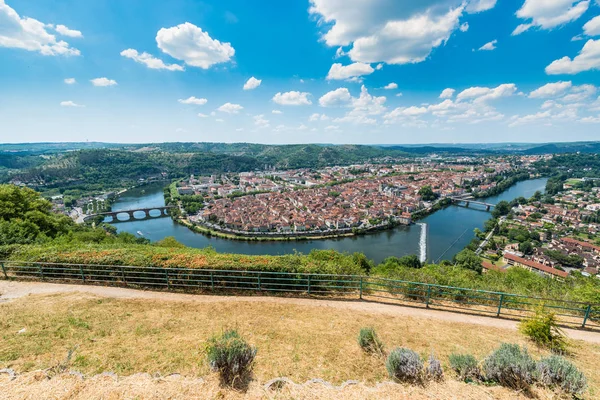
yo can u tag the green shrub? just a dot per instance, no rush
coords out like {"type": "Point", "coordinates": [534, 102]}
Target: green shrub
{"type": "Point", "coordinates": [557, 371]}
{"type": "Point", "coordinates": [369, 342]}
{"type": "Point", "coordinates": [466, 367]}
{"type": "Point", "coordinates": [543, 329]}
{"type": "Point", "coordinates": [230, 356]}
{"type": "Point", "coordinates": [510, 366]}
{"type": "Point", "coordinates": [404, 365]}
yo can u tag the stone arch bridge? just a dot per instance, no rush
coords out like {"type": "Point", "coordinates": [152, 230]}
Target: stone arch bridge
{"type": "Point", "coordinates": [131, 214]}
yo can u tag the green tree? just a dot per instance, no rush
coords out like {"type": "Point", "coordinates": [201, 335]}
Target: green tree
{"type": "Point", "coordinates": [468, 259]}
{"type": "Point", "coordinates": [502, 208]}
{"type": "Point", "coordinates": [427, 193]}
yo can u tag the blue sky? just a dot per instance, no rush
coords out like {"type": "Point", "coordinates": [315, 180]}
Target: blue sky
{"type": "Point", "coordinates": [300, 71]}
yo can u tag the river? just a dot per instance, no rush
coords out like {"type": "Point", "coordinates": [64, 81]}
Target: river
{"type": "Point", "coordinates": [447, 231]}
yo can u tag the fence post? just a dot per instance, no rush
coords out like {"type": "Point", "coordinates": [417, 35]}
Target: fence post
{"type": "Point", "coordinates": [4, 270]}
{"type": "Point", "coordinates": [123, 276]}
{"type": "Point", "coordinates": [308, 283]}
{"type": "Point", "coordinates": [81, 271]}
{"type": "Point", "coordinates": [259, 288]}
{"type": "Point", "coordinates": [167, 278]}
{"type": "Point", "coordinates": [500, 304]}
{"type": "Point", "coordinates": [587, 315]}
{"type": "Point", "coordinates": [41, 271]}
{"type": "Point", "coordinates": [361, 287]}
{"type": "Point", "coordinates": [212, 281]}
{"type": "Point", "coordinates": [428, 296]}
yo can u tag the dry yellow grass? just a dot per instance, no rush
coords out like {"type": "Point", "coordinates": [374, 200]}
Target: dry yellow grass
{"type": "Point", "coordinates": [298, 342]}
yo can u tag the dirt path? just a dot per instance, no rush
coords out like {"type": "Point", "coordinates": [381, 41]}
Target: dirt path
{"type": "Point", "coordinates": [11, 290]}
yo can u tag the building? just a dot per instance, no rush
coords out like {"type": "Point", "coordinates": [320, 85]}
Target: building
{"type": "Point", "coordinates": [541, 269]}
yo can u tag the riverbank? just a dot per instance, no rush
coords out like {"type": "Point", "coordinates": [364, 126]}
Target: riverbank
{"type": "Point", "coordinates": [251, 238]}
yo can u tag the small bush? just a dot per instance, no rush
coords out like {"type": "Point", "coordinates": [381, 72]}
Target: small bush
{"type": "Point", "coordinates": [510, 366]}
{"type": "Point", "coordinates": [543, 329]}
{"type": "Point", "coordinates": [557, 371]}
{"type": "Point", "coordinates": [369, 341]}
{"type": "Point", "coordinates": [230, 355]}
{"type": "Point", "coordinates": [434, 369]}
{"type": "Point", "coordinates": [465, 366]}
{"type": "Point", "coordinates": [404, 365]}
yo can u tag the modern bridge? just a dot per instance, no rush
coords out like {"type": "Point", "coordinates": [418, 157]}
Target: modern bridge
{"type": "Point", "coordinates": [465, 201]}
{"type": "Point", "coordinates": [163, 212]}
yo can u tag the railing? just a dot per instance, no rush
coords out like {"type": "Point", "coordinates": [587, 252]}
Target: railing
{"type": "Point", "coordinates": [449, 298]}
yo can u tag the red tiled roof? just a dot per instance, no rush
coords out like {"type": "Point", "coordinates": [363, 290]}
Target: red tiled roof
{"type": "Point", "coordinates": [536, 265]}
{"type": "Point", "coordinates": [489, 266]}
{"type": "Point", "coordinates": [580, 243]}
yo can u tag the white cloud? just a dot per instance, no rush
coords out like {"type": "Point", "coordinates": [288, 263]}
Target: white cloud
{"type": "Point", "coordinates": [579, 93]}
{"type": "Point", "coordinates": [590, 120]}
{"type": "Point", "coordinates": [70, 103]}
{"type": "Point", "coordinates": [252, 83]}
{"type": "Point", "coordinates": [30, 34]}
{"type": "Point", "coordinates": [70, 81]}
{"type": "Point", "coordinates": [191, 44]}
{"type": "Point", "coordinates": [103, 82]}
{"type": "Point", "coordinates": [364, 108]}
{"type": "Point", "coordinates": [548, 14]}
{"type": "Point", "coordinates": [482, 94]}
{"type": "Point", "coordinates": [332, 128]}
{"type": "Point", "coordinates": [292, 98]}
{"type": "Point", "coordinates": [318, 117]}
{"type": "Point", "coordinates": [592, 27]}
{"type": "Point", "coordinates": [352, 71]}
{"type": "Point", "coordinates": [150, 61]}
{"type": "Point", "coordinates": [464, 27]}
{"type": "Point", "coordinates": [587, 59]}
{"type": "Point", "coordinates": [202, 115]}
{"type": "Point", "coordinates": [63, 30]}
{"type": "Point", "coordinates": [447, 93]}
{"type": "Point", "coordinates": [489, 45]}
{"type": "Point", "coordinates": [219, 120]}
{"type": "Point", "coordinates": [480, 5]}
{"type": "Point", "coordinates": [193, 100]}
{"type": "Point", "coordinates": [337, 97]}
{"type": "Point", "coordinates": [276, 112]}
{"type": "Point", "coordinates": [391, 86]}
{"type": "Point", "coordinates": [520, 29]}
{"type": "Point", "coordinates": [392, 31]}
{"type": "Point", "coordinates": [551, 90]}
{"type": "Point", "coordinates": [260, 121]}
{"type": "Point", "coordinates": [230, 108]}
{"type": "Point", "coordinates": [529, 118]}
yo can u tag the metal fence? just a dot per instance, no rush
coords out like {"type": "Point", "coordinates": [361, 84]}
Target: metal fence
{"type": "Point", "coordinates": [371, 288]}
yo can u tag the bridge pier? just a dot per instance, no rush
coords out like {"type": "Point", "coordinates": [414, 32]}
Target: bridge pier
{"type": "Point", "coordinates": [467, 204]}
{"type": "Point", "coordinates": [487, 207]}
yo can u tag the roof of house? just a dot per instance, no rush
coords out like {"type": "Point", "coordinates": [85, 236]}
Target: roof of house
{"type": "Point", "coordinates": [536, 265]}
{"type": "Point", "coordinates": [493, 267]}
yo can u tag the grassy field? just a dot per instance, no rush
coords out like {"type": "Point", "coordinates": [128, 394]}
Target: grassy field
{"type": "Point", "coordinates": [298, 342]}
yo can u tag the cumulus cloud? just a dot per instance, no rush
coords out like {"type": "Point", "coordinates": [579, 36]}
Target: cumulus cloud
{"type": "Point", "coordinates": [70, 103]}
{"type": "Point", "coordinates": [193, 100]}
{"type": "Point", "coordinates": [529, 118]}
{"type": "Point", "coordinates": [464, 27]}
{"type": "Point", "coordinates": [352, 71]}
{"type": "Point", "coordinates": [392, 31]}
{"type": "Point", "coordinates": [70, 81]}
{"type": "Point", "coordinates": [292, 98]}
{"type": "Point", "coordinates": [230, 108]}
{"type": "Point", "coordinates": [489, 45]}
{"type": "Point", "coordinates": [149, 60]}
{"type": "Point", "coordinates": [483, 94]}
{"type": "Point", "coordinates": [103, 82]}
{"type": "Point", "coordinates": [364, 108]}
{"type": "Point", "coordinates": [190, 44]}
{"type": "Point", "coordinates": [550, 90]}
{"type": "Point", "coordinates": [30, 34]}
{"type": "Point", "coordinates": [318, 117]}
{"type": "Point", "coordinates": [260, 121]}
{"type": "Point", "coordinates": [252, 83]}
{"type": "Point", "coordinates": [63, 30]}
{"type": "Point", "coordinates": [547, 14]}
{"type": "Point", "coordinates": [276, 112]}
{"type": "Point", "coordinates": [391, 86]}
{"type": "Point", "coordinates": [202, 115]}
{"type": "Point", "coordinates": [592, 27]}
{"type": "Point", "coordinates": [587, 59]}
{"type": "Point", "coordinates": [337, 97]}
{"type": "Point", "coordinates": [447, 93]}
